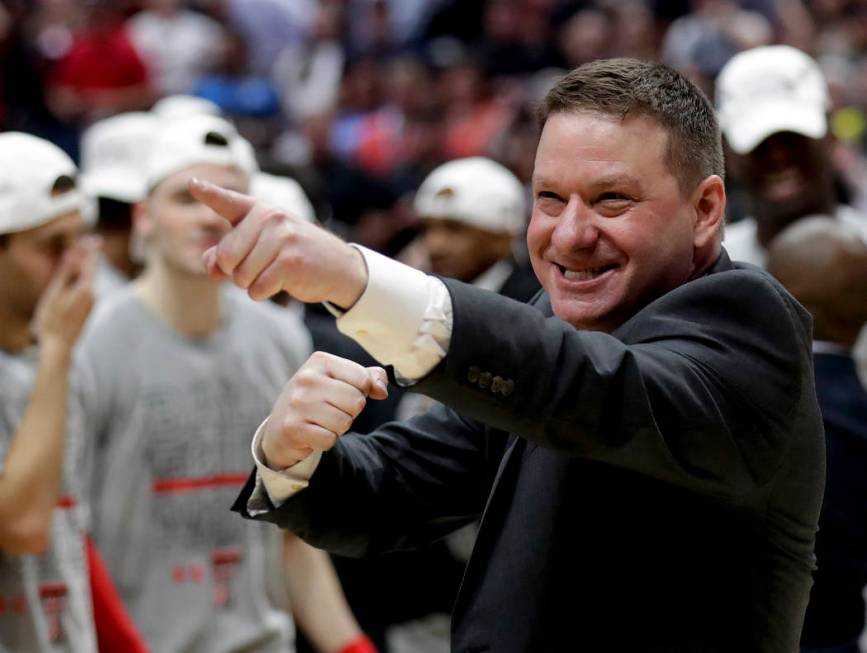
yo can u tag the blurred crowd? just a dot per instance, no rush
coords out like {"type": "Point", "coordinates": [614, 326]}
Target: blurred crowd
{"type": "Point", "coordinates": [360, 99]}
{"type": "Point", "coordinates": [366, 102]}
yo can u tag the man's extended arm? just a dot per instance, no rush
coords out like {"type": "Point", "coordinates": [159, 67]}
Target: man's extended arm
{"type": "Point", "coordinates": [693, 389]}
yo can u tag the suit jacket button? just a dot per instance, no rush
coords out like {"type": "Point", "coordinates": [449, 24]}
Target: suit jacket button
{"type": "Point", "coordinates": [484, 380]}
{"type": "Point", "coordinates": [473, 374]}
{"type": "Point", "coordinates": [496, 384]}
{"type": "Point", "coordinates": [507, 388]}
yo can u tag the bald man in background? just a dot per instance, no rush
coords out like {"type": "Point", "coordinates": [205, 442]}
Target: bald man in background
{"type": "Point", "coordinates": [824, 265]}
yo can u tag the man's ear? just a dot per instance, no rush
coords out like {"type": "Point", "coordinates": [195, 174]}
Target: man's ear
{"type": "Point", "coordinates": [709, 205]}
{"type": "Point", "coordinates": [142, 223]}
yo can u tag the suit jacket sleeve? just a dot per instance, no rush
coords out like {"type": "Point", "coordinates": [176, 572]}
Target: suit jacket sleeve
{"type": "Point", "coordinates": [401, 487]}
{"type": "Point", "coordinates": [696, 389]}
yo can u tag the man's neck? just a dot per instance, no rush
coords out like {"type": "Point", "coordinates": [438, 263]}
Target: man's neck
{"type": "Point", "coordinates": [188, 304]}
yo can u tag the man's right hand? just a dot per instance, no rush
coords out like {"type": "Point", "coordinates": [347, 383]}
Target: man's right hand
{"type": "Point", "coordinates": [68, 298]}
{"type": "Point", "coordinates": [269, 250]}
{"type": "Point", "coordinates": [318, 405]}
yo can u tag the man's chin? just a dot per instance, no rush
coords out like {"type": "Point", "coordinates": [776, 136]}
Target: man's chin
{"type": "Point", "coordinates": [580, 317]}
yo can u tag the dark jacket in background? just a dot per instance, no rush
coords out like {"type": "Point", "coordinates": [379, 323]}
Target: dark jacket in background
{"type": "Point", "coordinates": [835, 614]}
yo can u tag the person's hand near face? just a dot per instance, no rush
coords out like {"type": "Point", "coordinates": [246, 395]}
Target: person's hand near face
{"type": "Point", "coordinates": [69, 296]}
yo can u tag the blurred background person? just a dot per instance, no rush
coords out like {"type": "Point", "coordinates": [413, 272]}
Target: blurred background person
{"type": "Point", "coordinates": [473, 213]}
{"type": "Point", "coordinates": [177, 44]}
{"type": "Point", "coordinates": [102, 73]}
{"type": "Point", "coordinates": [773, 105]}
{"type": "Point", "coordinates": [46, 293]}
{"type": "Point", "coordinates": [206, 360]}
{"type": "Point", "coordinates": [113, 152]}
{"type": "Point", "coordinates": [823, 263]}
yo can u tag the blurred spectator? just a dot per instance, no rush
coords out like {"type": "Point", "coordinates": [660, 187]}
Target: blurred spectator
{"type": "Point", "coordinates": [473, 113]}
{"type": "Point", "coordinates": [102, 74]}
{"type": "Point", "coordinates": [701, 42]}
{"type": "Point", "coordinates": [473, 210]}
{"type": "Point", "coordinates": [36, 36]}
{"type": "Point", "coordinates": [370, 30]}
{"type": "Point", "coordinates": [361, 94]}
{"type": "Point", "coordinates": [308, 74]}
{"type": "Point", "coordinates": [48, 586]}
{"type": "Point", "coordinates": [586, 36]}
{"type": "Point", "coordinates": [113, 152]}
{"type": "Point", "coordinates": [393, 138]}
{"type": "Point", "coordinates": [178, 45]}
{"type": "Point", "coordinates": [772, 105]}
{"type": "Point", "coordinates": [634, 30]}
{"type": "Point", "coordinates": [207, 361]}
{"type": "Point", "coordinates": [824, 265]}
{"type": "Point", "coordinates": [517, 38]}
{"type": "Point", "coordinates": [249, 99]}
{"type": "Point", "coordinates": [269, 26]}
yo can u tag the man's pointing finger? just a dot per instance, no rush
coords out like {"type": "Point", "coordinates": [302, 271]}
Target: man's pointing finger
{"type": "Point", "coordinates": [231, 205]}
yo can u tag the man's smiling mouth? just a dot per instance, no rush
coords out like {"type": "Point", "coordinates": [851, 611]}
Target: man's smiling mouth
{"type": "Point", "coordinates": [587, 274]}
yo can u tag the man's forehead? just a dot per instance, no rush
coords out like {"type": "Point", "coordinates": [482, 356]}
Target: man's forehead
{"type": "Point", "coordinates": [602, 136]}
{"type": "Point", "coordinates": [609, 147]}
{"type": "Point", "coordinates": [70, 223]}
{"type": "Point", "coordinates": [226, 176]}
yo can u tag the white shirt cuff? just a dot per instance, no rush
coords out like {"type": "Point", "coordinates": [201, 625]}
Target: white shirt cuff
{"type": "Point", "coordinates": [403, 318]}
{"type": "Point", "coordinates": [278, 485]}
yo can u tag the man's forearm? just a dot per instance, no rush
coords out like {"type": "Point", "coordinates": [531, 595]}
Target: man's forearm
{"type": "Point", "coordinates": [30, 482]}
{"type": "Point", "coordinates": [318, 603]}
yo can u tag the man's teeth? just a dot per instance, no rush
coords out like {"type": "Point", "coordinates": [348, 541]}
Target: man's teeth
{"type": "Point", "coordinates": [583, 275]}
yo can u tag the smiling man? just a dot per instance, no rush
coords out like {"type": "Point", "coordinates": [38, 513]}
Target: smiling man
{"type": "Point", "coordinates": [773, 103]}
{"type": "Point", "coordinates": [642, 444]}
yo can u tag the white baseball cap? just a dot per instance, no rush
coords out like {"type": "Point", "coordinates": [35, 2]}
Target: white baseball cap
{"type": "Point", "coordinates": [283, 193]}
{"type": "Point", "coordinates": [475, 191]}
{"type": "Point", "coordinates": [113, 152]}
{"type": "Point", "coordinates": [194, 140]}
{"type": "Point", "coordinates": [179, 106]}
{"type": "Point", "coordinates": [767, 90]}
{"type": "Point", "coordinates": [29, 169]}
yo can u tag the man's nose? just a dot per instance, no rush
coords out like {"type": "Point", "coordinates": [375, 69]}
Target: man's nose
{"type": "Point", "coordinates": [576, 229]}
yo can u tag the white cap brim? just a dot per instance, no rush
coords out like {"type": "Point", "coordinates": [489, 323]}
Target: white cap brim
{"type": "Point", "coordinates": [756, 123]}
{"type": "Point", "coordinates": [114, 184]}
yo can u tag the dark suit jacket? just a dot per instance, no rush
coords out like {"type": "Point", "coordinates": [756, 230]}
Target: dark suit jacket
{"type": "Point", "coordinates": [836, 611]}
{"type": "Point", "coordinates": [652, 490]}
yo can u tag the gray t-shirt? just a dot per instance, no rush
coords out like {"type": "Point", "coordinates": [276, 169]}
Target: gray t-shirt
{"type": "Point", "coordinates": [45, 603]}
{"type": "Point", "coordinates": [172, 419]}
